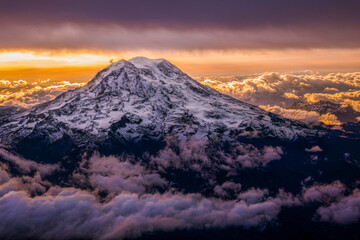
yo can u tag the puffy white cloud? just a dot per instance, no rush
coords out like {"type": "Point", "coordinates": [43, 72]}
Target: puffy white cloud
{"type": "Point", "coordinates": [115, 176]}
{"type": "Point", "coordinates": [344, 211]}
{"type": "Point", "coordinates": [276, 92]}
{"type": "Point", "coordinates": [253, 195]}
{"type": "Point", "coordinates": [192, 155]}
{"type": "Point", "coordinates": [324, 192]}
{"type": "Point", "coordinates": [27, 166]}
{"type": "Point", "coordinates": [31, 207]}
{"type": "Point", "coordinates": [37, 209]}
{"type": "Point", "coordinates": [336, 204]}
{"type": "Point", "coordinates": [31, 178]}
{"type": "Point", "coordinates": [223, 189]}
{"type": "Point", "coordinates": [251, 156]}
{"type": "Point", "coordinates": [71, 213]}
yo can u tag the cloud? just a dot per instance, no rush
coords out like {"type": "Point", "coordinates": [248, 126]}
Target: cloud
{"type": "Point", "coordinates": [251, 156]}
{"type": "Point", "coordinates": [287, 88]}
{"type": "Point", "coordinates": [329, 119]}
{"type": "Point", "coordinates": [31, 207]}
{"type": "Point", "coordinates": [114, 176]}
{"type": "Point", "coordinates": [192, 154]}
{"type": "Point", "coordinates": [291, 95]}
{"type": "Point", "coordinates": [253, 195]}
{"type": "Point", "coordinates": [30, 178]}
{"type": "Point", "coordinates": [337, 205]}
{"type": "Point", "coordinates": [324, 192]}
{"type": "Point", "coordinates": [118, 37]}
{"type": "Point", "coordinates": [345, 211]}
{"type": "Point", "coordinates": [308, 117]}
{"type": "Point", "coordinates": [27, 94]}
{"type": "Point", "coordinates": [349, 98]}
{"type": "Point", "coordinates": [314, 149]}
{"type": "Point", "coordinates": [224, 189]}
{"type": "Point", "coordinates": [71, 213]}
{"type": "Point", "coordinates": [161, 25]}
{"type": "Point", "coordinates": [27, 166]}
{"type": "Point", "coordinates": [194, 14]}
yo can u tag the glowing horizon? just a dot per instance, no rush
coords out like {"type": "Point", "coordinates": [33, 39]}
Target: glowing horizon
{"type": "Point", "coordinates": [21, 64]}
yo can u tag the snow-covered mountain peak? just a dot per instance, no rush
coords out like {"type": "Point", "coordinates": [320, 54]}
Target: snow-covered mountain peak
{"type": "Point", "coordinates": [144, 98]}
{"type": "Point", "coordinates": [144, 62]}
{"type": "Point", "coordinates": [122, 72]}
{"type": "Point", "coordinates": [159, 66]}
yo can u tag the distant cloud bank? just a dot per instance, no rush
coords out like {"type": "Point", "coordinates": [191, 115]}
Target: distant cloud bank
{"type": "Point", "coordinates": [277, 92]}
{"type": "Point", "coordinates": [27, 94]}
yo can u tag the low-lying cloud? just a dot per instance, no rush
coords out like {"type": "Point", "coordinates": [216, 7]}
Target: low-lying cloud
{"type": "Point", "coordinates": [71, 213]}
{"type": "Point", "coordinates": [114, 176]}
{"type": "Point", "coordinates": [339, 206]}
{"type": "Point", "coordinates": [192, 155]}
{"type": "Point", "coordinates": [26, 94]}
{"type": "Point", "coordinates": [32, 207]}
{"type": "Point", "coordinates": [278, 93]}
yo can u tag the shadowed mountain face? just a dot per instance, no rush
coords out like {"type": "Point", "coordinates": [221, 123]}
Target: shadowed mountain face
{"type": "Point", "coordinates": [143, 130]}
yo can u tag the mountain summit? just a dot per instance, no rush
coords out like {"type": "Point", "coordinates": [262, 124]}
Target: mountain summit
{"type": "Point", "coordinates": [143, 99]}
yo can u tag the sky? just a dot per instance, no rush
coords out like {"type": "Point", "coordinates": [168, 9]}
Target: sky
{"type": "Point", "coordinates": [270, 53]}
{"type": "Point", "coordinates": [202, 37]}
{"type": "Point", "coordinates": [267, 53]}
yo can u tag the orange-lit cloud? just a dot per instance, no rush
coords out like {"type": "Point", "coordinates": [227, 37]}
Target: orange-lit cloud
{"type": "Point", "coordinates": [287, 88]}
{"type": "Point", "coordinates": [308, 117]}
{"type": "Point", "coordinates": [277, 93]}
{"type": "Point", "coordinates": [27, 94]}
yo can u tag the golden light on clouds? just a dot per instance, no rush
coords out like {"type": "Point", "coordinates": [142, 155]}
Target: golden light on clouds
{"type": "Point", "coordinates": [27, 94]}
{"type": "Point", "coordinates": [193, 62]}
{"type": "Point", "coordinates": [49, 59]}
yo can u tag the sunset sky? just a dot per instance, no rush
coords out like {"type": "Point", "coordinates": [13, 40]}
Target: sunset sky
{"type": "Point", "coordinates": [72, 40]}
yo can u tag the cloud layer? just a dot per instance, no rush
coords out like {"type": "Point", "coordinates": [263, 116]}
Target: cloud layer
{"type": "Point", "coordinates": [46, 211]}
{"type": "Point", "coordinates": [27, 94]}
{"type": "Point", "coordinates": [33, 207]}
{"type": "Point", "coordinates": [277, 92]}
{"type": "Point", "coordinates": [179, 25]}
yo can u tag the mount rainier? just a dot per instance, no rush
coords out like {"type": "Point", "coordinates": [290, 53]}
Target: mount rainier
{"type": "Point", "coordinates": [143, 99]}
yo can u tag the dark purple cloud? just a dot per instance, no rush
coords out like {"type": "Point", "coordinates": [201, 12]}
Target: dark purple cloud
{"type": "Point", "coordinates": [209, 13]}
{"type": "Point", "coordinates": [186, 24]}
